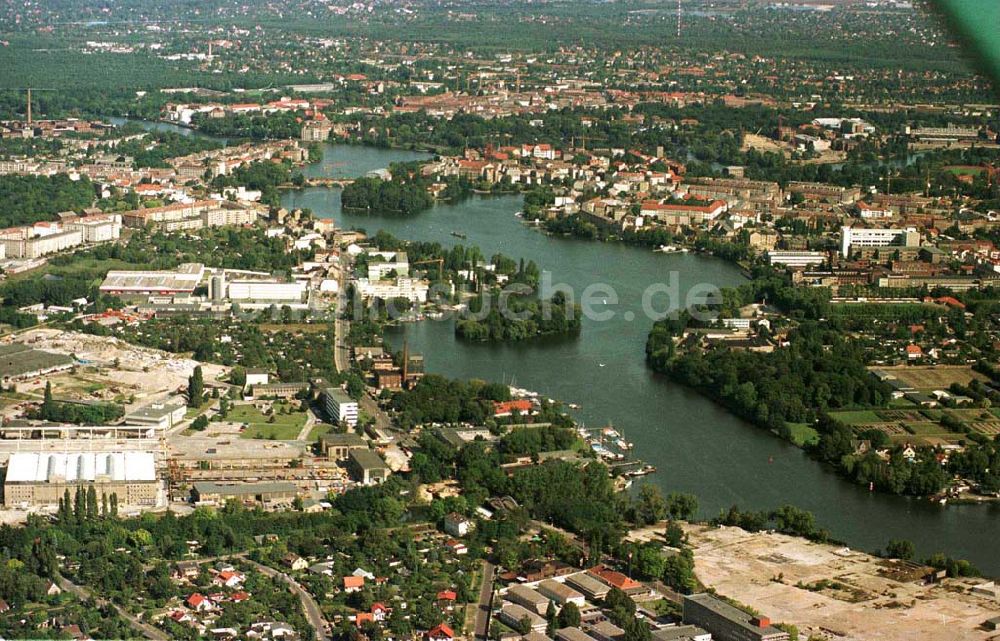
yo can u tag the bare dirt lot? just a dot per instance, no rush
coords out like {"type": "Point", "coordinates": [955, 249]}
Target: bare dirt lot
{"type": "Point", "coordinates": [835, 592]}
{"type": "Point", "coordinates": [112, 369]}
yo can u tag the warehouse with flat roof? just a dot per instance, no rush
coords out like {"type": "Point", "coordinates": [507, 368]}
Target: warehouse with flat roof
{"type": "Point", "coordinates": [728, 623]}
{"type": "Point", "coordinates": [19, 361]}
{"type": "Point", "coordinates": [263, 493]}
{"type": "Point", "coordinates": [181, 281]}
{"type": "Point", "coordinates": [36, 479]}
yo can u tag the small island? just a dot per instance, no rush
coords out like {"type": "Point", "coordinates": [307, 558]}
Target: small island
{"type": "Point", "coordinates": [377, 196]}
{"type": "Point", "coordinates": [527, 318]}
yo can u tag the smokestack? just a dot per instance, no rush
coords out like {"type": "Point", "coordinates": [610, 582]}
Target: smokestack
{"type": "Point", "coordinates": [29, 105]}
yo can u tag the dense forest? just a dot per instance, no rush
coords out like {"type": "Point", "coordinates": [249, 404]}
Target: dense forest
{"type": "Point", "coordinates": [25, 200]}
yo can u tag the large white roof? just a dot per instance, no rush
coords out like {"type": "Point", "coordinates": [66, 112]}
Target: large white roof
{"type": "Point", "coordinates": [34, 467]}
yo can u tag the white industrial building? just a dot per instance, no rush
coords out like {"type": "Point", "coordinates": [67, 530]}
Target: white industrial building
{"type": "Point", "coordinates": [340, 407]}
{"type": "Point", "coordinates": [795, 259]}
{"type": "Point", "coordinates": [161, 415]}
{"type": "Point", "coordinates": [876, 237]}
{"type": "Point", "coordinates": [266, 291]}
{"type": "Point", "coordinates": [36, 479]}
{"type": "Point", "coordinates": [181, 281]}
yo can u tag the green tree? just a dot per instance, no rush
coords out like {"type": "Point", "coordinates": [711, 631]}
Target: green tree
{"type": "Point", "coordinates": [196, 387]}
{"type": "Point", "coordinates": [900, 549]}
{"type": "Point", "coordinates": [569, 616]}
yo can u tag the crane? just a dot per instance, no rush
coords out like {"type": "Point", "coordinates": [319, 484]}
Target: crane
{"type": "Point", "coordinates": [440, 264]}
{"type": "Point", "coordinates": [29, 90]}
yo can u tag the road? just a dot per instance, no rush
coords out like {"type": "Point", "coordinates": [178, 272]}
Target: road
{"type": "Point", "coordinates": [309, 604]}
{"type": "Point", "coordinates": [83, 593]}
{"type": "Point", "coordinates": [310, 422]}
{"type": "Point", "coordinates": [341, 326]}
{"type": "Point", "coordinates": [485, 606]}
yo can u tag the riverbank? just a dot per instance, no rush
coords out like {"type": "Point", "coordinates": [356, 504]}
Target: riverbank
{"type": "Point", "coordinates": [696, 446]}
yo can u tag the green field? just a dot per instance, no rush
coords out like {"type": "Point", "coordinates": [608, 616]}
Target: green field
{"type": "Point", "coordinates": [318, 430]}
{"type": "Point", "coordinates": [855, 417]}
{"type": "Point", "coordinates": [803, 434]}
{"type": "Point", "coordinates": [285, 427]}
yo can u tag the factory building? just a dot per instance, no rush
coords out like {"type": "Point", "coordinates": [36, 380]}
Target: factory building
{"type": "Point", "coordinates": [181, 281]}
{"type": "Point", "coordinates": [161, 415]}
{"type": "Point", "coordinates": [19, 361]}
{"type": "Point", "coordinates": [854, 237]}
{"type": "Point", "coordinates": [40, 479]}
{"type": "Point", "coordinates": [340, 407]}
{"type": "Point", "coordinates": [728, 623]}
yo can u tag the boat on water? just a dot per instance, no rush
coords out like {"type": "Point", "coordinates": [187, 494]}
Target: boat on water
{"type": "Point", "coordinates": [610, 431]}
{"type": "Point", "coordinates": [458, 234]}
{"type": "Point", "coordinates": [671, 249]}
{"type": "Point", "coordinates": [573, 406]}
{"type": "Point", "coordinates": [642, 471]}
{"type": "Point", "coordinates": [623, 444]}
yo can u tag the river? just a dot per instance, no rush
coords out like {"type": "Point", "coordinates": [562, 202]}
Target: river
{"type": "Point", "coordinates": [696, 446]}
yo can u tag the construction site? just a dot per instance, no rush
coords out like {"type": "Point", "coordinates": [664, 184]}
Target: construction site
{"type": "Point", "coordinates": [833, 592]}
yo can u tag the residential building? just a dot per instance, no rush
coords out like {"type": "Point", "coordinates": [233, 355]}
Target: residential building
{"type": "Point", "coordinates": [605, 631]}
{"type": "Point", "coordinates": [527, 597]}
{"type": "Point", "coordinates": [560, 593]}
{"type": "Point", "coordinates": [457, 525]}
{"type": "Point", "coordinates": [511, 614]}
{"type": "Point", "coordinates": [268, 291]}
{"type": "Point", "coordinates": [382, 265]}
{"type": "Point", "coordinates": [572, 634]}
{"type": "Point", "coordinates": [39, 240]}
{"type": "Point", "coordinates": [412, 289]}
{"type": "Point", "coordinates": [97, 229]}
{"type": "Point", "coordinates": [592, 588]}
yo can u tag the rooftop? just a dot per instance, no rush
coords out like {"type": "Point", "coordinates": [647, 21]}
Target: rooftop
{"type": "Point", "coordinates": [368, 459]}
{"type": "Point", "coordinates": [18, 359]}
{"type": "Point", "coordinates": [244, 489]}
{"type": "Point", "coordinates": [339, 395]}
{"type": "Point", "coordinates": [723, 609]}
{"type": "Point", "coordinates": [34, 467]}
{"type": "Point", "coordinates": [349, 439]}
